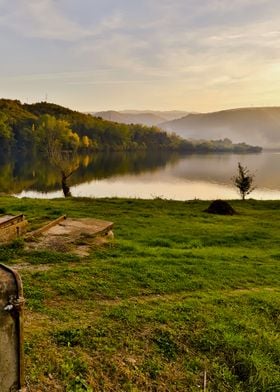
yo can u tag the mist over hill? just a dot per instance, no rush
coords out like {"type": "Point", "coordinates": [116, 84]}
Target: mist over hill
{"type": "Point", "coordinates": [147, 117]}
{"type": "Point", "coordinates": [168, 115]}
{"type": "Point", "coordinates": [259, 126]}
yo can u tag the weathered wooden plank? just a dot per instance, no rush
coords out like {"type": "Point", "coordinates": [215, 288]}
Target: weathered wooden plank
{"type": "Point", "coordinates": [45, 228]}
{"type": "Point", "coordinates": [12, 227]}
{"type": "Point", "coordinates": [9, 220]}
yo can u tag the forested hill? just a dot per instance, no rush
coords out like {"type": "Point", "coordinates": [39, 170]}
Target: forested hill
{"type": "Point", "coordinates": [36, 126]}
{"type": "Point", "coordinates": [250, 125]}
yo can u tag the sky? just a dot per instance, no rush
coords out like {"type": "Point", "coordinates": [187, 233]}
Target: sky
{"type": "Point", "coordinates": [91, 55]}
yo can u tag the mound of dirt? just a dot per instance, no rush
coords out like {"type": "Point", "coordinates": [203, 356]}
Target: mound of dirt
{"type": "Point", "coordinates": [220, 207]}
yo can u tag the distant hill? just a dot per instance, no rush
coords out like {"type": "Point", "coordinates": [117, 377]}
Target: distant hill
{"type": "Point", "coordinates": [168, 115]}
{"type": "Point", "coordinates": [258, 126]}
{"type": "Point", "coordinates": [49, 127]}
{"type": "Point", "coordinates": [148, 117]}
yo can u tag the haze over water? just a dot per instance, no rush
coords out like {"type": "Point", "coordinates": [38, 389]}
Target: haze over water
{"type": "Point", "coordinates": [205, 177]}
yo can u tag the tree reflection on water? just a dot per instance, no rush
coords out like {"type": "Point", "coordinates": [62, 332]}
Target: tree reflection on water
{"type": "Point", "coordinates": [37, 173]}
{"type": "Point", "coordinates": [141, 174]}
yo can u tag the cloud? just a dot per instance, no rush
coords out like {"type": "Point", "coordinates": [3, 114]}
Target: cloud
{"type": "Point", "coordinates": [38, 18]}
{"type": "Point", "coordinates": [186, 45]}
{"type": "Point", "coordinates": [44, 19]}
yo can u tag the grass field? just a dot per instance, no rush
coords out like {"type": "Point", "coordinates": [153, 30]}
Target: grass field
{"type": "Point", "coordinates": [179, 294]}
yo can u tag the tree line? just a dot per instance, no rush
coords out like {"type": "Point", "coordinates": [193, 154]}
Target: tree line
{"type": "Point", "coordinates": [41, 126]}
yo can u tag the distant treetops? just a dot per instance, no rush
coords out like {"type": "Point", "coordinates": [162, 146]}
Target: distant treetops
{"type": "Point", "coordinates": [37, 126]}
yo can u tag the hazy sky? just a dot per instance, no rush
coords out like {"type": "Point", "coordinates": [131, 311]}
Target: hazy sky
{"type": "Point", "coordinates": [197, 55]}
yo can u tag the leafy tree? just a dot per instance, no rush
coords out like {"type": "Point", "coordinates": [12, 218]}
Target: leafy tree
{"type": "Point", "coordinates": [60, 144]}
{"type": "Point", "coordinates": [243, 181]}
{"type": "Point", "coordinates": [6, 135]}
{"type": "Point", "coordinates": [85, 141]}
{"type": "Point", "coordinates": [54, 133]}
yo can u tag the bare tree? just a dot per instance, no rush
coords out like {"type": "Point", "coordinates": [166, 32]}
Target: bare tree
{"type": "Point", "coordinates": [244, 181]}
{"type": "Point", "coordinates": [67, 162]}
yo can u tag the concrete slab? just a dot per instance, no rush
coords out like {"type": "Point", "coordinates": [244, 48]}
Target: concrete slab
{"type": "Point", "coordinates": [80, 227]}
{"type": "Point", "coordinates": [70, 235]}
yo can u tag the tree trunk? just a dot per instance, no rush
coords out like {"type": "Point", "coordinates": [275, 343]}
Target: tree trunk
{"type": "Point", "coordinates": [65, 187]}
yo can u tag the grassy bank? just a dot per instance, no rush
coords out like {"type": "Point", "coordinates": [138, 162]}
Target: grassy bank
{"type": "Point", "coordinates": [178, 293]}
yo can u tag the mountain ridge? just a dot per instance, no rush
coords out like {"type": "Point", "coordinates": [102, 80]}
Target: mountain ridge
{"type": "Point", "coordinates": [253, 125]}
{"type": "Point", "coordinates": [145, 117]}
{"type": "Point", "coordinates": [259, 125]}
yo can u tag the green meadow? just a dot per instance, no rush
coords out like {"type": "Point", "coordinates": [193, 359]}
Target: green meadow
{"type": "Point", "coordinates": [179, 297]}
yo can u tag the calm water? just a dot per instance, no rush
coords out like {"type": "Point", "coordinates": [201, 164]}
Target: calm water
{"type": "Point", "coordinates": [144, 175]}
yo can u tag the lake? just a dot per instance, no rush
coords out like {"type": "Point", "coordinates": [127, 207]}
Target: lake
{"type": "Point", "coordinates": [144, 175]}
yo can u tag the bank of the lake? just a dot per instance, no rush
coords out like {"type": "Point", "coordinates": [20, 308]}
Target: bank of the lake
{"type": "Point", "coordinates": [177, 295]}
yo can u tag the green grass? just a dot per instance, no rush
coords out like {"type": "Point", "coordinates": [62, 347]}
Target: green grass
{"type": "Point", "coordinates": [178, 293]}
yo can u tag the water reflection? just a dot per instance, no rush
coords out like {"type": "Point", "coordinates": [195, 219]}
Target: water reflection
{"type": "Point", "coordinates": [33, 173]}
{"type": "Point", "coordinates": [144, 175]}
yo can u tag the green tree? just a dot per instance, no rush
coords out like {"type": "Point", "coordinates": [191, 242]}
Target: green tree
{"type": "Point", "coordinates": [6, 135]}
{"type": "Point", "coordinates": [85, 141]}
{"type": "Point", "coordinates": [53, 134]}
{"type": "Point", "coordinates": [60, 144]}
{"type": "Point", "coordinates": [243, 181]}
